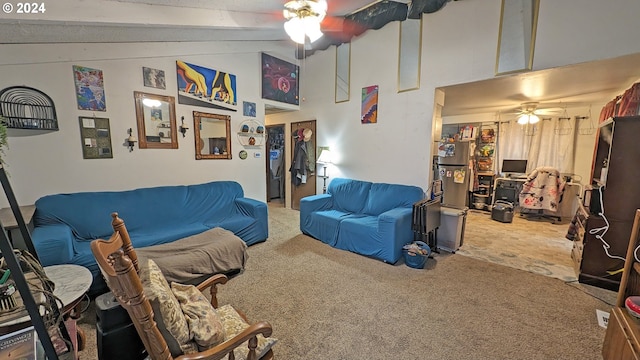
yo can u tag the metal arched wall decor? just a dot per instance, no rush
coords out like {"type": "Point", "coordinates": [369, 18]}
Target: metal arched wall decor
{"type": "Point", "coordinates": [24, 107]}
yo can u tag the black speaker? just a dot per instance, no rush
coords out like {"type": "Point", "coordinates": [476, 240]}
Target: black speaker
{"type": "Point", "coordinates": [109, 313]}
{"type": "Point", "coordinates": [120, 344]}
{"type": "Point", "coordinates": [115, 333]}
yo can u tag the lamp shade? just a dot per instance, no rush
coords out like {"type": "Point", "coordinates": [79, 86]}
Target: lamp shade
{"type": "Point", "coordinates": [325, 157]}
{"type": "Point", "coordinates": [295, 29]}
{"type": "Point", "coordinates": [528, 119]}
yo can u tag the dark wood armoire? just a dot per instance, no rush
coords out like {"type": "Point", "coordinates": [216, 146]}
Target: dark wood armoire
{"type": "Point", "coordinates": [605, 224]}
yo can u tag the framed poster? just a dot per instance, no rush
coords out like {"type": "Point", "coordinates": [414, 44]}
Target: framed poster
{"type": "Point", "coordinates": [96, 138]}
{"type": "Point", "coordinates": [89, 88]}
{"type": "Point", "coordinates": [369, 110]}
{"type": "Point", "coordinates": [201, 86]}
{"type": "Point", "coordinates": [280, 80]}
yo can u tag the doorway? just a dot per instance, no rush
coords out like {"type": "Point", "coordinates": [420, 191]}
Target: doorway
{"type": "Point", "coordinates": [275, 164]}
{"type": "Point", "coordinates": [303, 161]}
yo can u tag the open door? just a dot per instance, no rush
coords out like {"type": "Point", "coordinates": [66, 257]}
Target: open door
{"type": "Point", "coordinates": [303, 161]}
{"type": "Point", "coordinates": [275, 164]}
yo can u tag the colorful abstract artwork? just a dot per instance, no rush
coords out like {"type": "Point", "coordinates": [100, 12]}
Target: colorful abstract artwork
{"type": "Point", "coordinates": [280, 80]}
{"type": "Point", "coordinates": [201, 86]}
{"type": "Point", "coordinates": [369, 112]}
{"type": "Point", "coordinates": [89, 88]}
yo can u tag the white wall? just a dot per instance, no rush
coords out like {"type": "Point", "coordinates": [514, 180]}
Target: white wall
{"type": "Point", "coordinates": [51, 162]}
{"type": "Point", "coordinates": [459, 46]}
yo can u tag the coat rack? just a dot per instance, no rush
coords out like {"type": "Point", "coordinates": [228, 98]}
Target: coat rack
{"type": "Point", "coordinates": [18, 275]}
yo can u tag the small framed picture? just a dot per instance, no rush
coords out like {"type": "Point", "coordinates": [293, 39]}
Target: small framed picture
{"type": "Point", "coordinates": [153, 78]}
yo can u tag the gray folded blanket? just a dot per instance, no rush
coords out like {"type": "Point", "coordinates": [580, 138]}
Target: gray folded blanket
{"type": "Point", "coordinates": [195, 257]}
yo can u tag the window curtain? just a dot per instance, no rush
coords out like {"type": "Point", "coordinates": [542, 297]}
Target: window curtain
{"type": "Point", "coordinates": [550, 142]}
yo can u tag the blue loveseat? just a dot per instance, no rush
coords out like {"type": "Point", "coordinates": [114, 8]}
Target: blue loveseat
{"type": "Point", "coordinates": [372, 219]}
{"type": "Point", "coordinates": [65, 224]}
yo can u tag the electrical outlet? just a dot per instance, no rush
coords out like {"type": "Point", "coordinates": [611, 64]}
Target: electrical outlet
{"type": "Point", "coordinates": [603, 318]}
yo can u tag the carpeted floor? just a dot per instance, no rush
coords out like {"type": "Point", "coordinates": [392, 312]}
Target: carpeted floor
{"type": "Point", "coordinates": [326, 303]}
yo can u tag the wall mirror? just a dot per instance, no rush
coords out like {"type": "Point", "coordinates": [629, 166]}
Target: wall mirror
{"type": "Point", "coordinates": [409, 54]}
{"type": "Point", "coordinates": [212, 133]}
{"type": "Point", "coordinates": [343, 72]}
{"type": "Point", "coordinates": [156, 117]}
{"type": "Point", "coordinates": [517, 35]}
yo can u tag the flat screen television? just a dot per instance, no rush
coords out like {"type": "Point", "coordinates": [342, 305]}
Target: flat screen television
{"type": "Point", "coordinates": [514, 166]}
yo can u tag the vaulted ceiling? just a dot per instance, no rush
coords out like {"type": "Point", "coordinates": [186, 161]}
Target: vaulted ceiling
{"type": "Point", "coordinates": [115, 21]}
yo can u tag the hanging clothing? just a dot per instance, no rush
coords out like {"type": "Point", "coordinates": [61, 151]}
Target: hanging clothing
{"type": "Point", "coordinates": [299, 165]}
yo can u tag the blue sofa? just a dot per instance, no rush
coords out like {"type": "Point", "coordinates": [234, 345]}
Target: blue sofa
{"type": "Point", "coordinates": [65, 224]}
{"type": "Point", "coordinates": [372, 219]}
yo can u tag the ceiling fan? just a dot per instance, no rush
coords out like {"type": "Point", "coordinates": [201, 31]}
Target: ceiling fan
{"type": "Point", "coordinates": [311, 19]}
{"type": "Point", "coordinates": [530, 112]}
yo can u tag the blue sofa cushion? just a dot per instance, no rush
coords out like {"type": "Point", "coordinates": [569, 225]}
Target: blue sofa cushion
{"type": "Point", "coordinates": [324, 225]}
{"type": "Point", "coordinates": [349, 195]}
{"type": "Point", "coordinates": [383, 197]}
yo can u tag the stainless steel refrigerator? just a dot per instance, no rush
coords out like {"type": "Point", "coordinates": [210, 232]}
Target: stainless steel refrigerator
{"type": "Point", "coordinates": [453, 170]}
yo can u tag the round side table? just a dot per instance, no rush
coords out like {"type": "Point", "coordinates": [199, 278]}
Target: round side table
{"type": "Point", "coordinates": [71, 284]}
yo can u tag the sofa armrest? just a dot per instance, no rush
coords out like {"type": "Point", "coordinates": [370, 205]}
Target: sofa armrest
{"type": "Point", "coordinates": [313, 203]}
{"type": "Point", "coordinates": [53, 243]}
{"type": "Point", "coordinates": [251, 207]}
{"type": "Point", "coordinates": [257, 210]}
{"type": "Point", "coordinates": [395, 225]}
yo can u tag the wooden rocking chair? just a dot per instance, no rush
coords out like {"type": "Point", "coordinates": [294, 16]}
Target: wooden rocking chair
{"type": "Point", "coordinates": [118, 263]}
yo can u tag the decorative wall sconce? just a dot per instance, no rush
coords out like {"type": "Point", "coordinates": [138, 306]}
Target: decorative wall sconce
{"type": "Point", "coordinates": [131, 140]}
{"type": "Point", "coordinates": [183, 127]}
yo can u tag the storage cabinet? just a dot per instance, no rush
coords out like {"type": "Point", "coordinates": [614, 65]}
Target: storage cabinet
{"type": "Point", "coordinates": [622, 340]}
{"type": "Point", "coordinates": [614, 199]}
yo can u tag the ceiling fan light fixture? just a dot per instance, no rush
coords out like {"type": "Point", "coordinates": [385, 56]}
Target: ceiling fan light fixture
{"type": "Point", "coordinates": [295, 29]}
{"type": "Point", "coordinates": [528, 118]}
{"type": "Point", "coordinates": [303, 19]}
{"type": "Point", "coordinates": [523, 119]}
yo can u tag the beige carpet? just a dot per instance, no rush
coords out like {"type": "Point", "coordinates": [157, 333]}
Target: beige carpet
{"type": "Point", "coordinates": [326, 303]}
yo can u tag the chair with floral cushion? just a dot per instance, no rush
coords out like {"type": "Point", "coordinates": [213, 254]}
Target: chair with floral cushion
{"type": "Point", "coordinates": [177, 321]}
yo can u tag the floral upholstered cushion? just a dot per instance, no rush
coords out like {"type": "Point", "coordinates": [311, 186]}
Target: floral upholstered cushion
{"type": "Point", "coordinates": [166, 309]}
{"type": "Point", "coordinates": [234, 324]}
{"type": "Point", "coordinates": [204, 325]}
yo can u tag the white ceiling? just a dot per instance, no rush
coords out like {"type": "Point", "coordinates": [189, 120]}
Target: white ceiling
{"type": "Point", "coordinates": [157, 20]}
{"type": "Point", "coordinates": [82, 21]}
{"type": "Point", "coordinates": [579, 85]}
